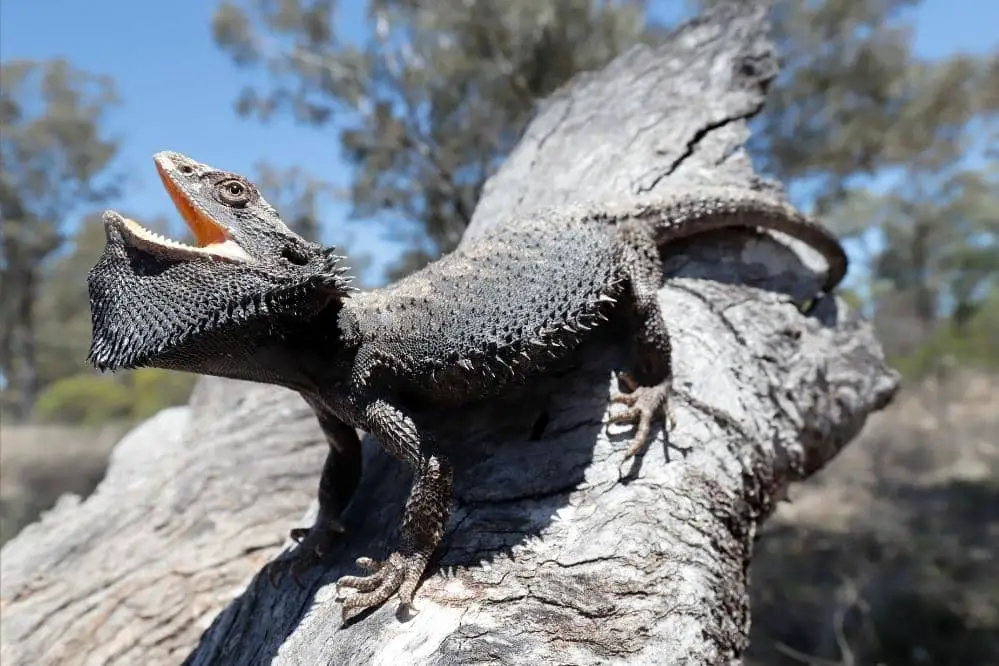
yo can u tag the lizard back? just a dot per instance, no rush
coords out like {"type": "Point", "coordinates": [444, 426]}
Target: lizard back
{"type": "Point", "coordinates": [501, 308]}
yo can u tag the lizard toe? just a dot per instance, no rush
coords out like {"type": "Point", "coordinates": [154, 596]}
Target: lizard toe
{"type": "Point", "coordinates": [398, 574]}
{"type": "Point", "coordinates": [629, 382]}
{"type": "Point", "coordinates": [645, 404]}
{"type": "Point", "coordinates": [314, 544]}
{"type": "Point", "coordinates": [365, 583]}
{"type": "Point", "coordinates": [623, 399]}
{"type": "Point", "coordinates": [630, 415]}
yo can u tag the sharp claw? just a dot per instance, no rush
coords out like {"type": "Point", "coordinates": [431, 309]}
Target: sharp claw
{"type": "Point", "coordinates": [636, 446]}
{"type": "Point", "coordinates": [644, 403]}
{"type": "Point", "coordinates": [625, 416]}
{"type": "Point", "coordinates": [628, 381]}
{"type": "Point", "coordinates": [397, 574]}
{"type": "Point", "coordinates": [368, 564]}
{"type": "Point", "coordinates": [361, 583]}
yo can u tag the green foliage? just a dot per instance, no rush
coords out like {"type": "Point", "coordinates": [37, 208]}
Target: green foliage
{"type": "Point", "coordinates": [90, 399]}
{"type": "Point", "coordinates": [971, 343]}
{"type": "Point", "coordinates": [84, 399]}
{"type": "Point", "coordinates": [153, 389]}
{"type": "Point", "coordinates": [938, 243]}
{"type": "Point", "coordinates": [898, 153]}
{"type": "Point", "coordinates": [853, 98]}
{"type": "Point", "coordinates": [62, 305]}
{"type": "Point", "coordinates": [431, 99]}
{"type": "Point", "coordinates": [901, 153]}
{"type": "Point", "coordinates": [53, 156]}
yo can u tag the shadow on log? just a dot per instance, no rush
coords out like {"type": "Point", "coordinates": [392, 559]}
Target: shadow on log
{"type": "Point", "coordinates": [554, 553]}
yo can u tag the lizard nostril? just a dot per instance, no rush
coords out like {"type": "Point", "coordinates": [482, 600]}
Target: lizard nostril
{"type": "Point", "coordinates": [186, 169]}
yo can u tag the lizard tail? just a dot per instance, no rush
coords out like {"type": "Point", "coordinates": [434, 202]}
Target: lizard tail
{"type": "Point", "coordinates": [710, 209]}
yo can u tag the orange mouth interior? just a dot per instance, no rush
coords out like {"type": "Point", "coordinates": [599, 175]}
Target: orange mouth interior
{"type": "Point", "coordinates": [205, 230]}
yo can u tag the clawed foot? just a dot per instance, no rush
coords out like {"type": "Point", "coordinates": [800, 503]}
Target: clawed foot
{"type": "Point", "coordinates": [398, 573]}
{"type": "Point", "coordinates": [644, 404]}
{"type": "Point", "coordinates": [314, 544]}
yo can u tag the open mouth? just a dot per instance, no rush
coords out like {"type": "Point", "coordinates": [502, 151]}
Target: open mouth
{"type": "Point", "coordinates": [211, 237]}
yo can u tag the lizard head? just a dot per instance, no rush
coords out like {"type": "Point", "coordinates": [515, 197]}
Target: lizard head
{"type": "Point", "coordinates": [158, 302]}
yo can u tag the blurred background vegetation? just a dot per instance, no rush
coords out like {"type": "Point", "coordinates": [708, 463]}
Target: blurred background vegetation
{"type": "Point", "coordinates": [417, 104]}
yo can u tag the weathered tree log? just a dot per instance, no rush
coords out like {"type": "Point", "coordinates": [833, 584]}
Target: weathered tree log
{"type": "Point", "coordinates": [554, 554]}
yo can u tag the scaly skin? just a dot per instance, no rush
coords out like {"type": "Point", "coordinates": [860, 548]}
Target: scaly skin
{"type": "Point", "coordinates": [254, 301]}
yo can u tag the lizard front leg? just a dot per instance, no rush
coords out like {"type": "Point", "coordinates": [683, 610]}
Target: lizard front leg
{"type": "Point", "coordinates": [339, 479]}
{"type": "Point", "coordinates": [426, 516]}
{"type": "Point", "coordinates": [649, 392]}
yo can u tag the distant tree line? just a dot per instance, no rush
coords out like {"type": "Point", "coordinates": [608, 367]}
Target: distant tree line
{"type": "Point", "coordinates": [899, 154]}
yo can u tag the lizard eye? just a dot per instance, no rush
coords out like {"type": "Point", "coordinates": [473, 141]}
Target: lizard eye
{"type": "Point", "coordinates": [232, 192]}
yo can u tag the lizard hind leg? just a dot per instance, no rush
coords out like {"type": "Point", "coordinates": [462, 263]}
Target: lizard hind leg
{"type": "Point", "coordinates": [340, 476]}
{"type": "Point", "coordinates": [648, 395]}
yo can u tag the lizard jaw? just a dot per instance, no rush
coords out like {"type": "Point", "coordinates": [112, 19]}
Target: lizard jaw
{"type": "Point", "coordinates": [146, 239]}
{"type": "Point", "coordinates": [205, 229]}
{"type": "Point", "coordinates": [213, 241]}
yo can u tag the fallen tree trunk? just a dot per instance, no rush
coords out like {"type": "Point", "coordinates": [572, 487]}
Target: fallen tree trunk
{"type": "Point", "coordinates": [554, 554]}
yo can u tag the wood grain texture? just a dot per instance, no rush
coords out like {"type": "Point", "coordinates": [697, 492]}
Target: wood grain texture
{"type": "Point", "coordinates": [555, 553]}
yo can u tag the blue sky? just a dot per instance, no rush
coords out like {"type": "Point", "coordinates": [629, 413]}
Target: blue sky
{"type": "Point", "coordinates": [178, 88]}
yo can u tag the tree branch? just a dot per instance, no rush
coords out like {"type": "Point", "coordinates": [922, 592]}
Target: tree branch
{"type": "Point", "coordinates": [554, 554]}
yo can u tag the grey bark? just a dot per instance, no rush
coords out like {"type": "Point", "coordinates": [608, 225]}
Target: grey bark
{"type": "Point", "coordinates": [555, 553]}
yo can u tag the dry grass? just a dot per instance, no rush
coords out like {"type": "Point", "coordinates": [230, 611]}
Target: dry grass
{"type": "Point", "coordinates": [40, 463]}
{"type": "Point", "coordinates": [886, 556]}
{"type": "Point", "coordinates": [889, 554]}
